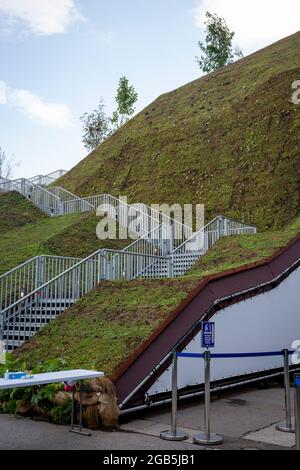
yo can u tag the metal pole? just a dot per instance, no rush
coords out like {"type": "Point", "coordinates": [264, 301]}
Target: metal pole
{"type": "Point", "coordinates": [206, 438]}
{"type": "Point", "coordinates": [174, 434]}
{"type": "Point", "coordinates": [207, 396]}
{"type": "Point", "coordinates": [287, 425]}
{"type": "Point", "coordinates": [78, 428]}
{"type": "Point", "coordinates": [297, 410]}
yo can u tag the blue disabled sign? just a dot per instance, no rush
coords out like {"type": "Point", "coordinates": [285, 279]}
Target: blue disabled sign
{"type": "Point", "coordinates": [208, 335]}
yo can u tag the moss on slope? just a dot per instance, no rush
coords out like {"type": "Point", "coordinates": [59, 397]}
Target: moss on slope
{"type": "Point", "coordinates": [230, 140]}
{"type": "Point", "coordinates": [234, 252]}
{"type": "Point", "coordinates": [80, 239]}
{"type": "Point", "coordinates": [104, 328]}
{"type": "Point", "coordinates": [71, 235]}
{"type": "Point", "coordinates": [16, 211]}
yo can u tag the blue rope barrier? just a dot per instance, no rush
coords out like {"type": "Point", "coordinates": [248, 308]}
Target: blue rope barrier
{"type": "Point", "coordinates": [191, 355]}
{"type": "Point", "coordinates": [234, 355]}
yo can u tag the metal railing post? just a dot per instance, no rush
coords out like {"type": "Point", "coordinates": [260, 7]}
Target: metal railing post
{"type": "Point", "coordinates": [207, 438]}
{"type": "Point", "coordinates": [171, 266]}
{"type": "Point", "coordinates": [103, 266]}
{"type": "Point", "coordinates": [174, 434]}
{"type": "Point", "coordinates": [219, 229]}
{"type": "Point", "coordinates": [287, 426]}
{"type": "Point", "coordinates": [297, 410]}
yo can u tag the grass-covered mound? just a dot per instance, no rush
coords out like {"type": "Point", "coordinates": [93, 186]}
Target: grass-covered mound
{"type": "Point", "coordinates": [16, 211]}
{"type": "Point", "coordinates": [26, 232]}
{"type": "Point", "coordinates": [234, 252]}
{"type": "Point", "coordinates": [80, 239]}
{"type": "Point", "coordinates": [230, 140]}
{"type": "Point", "coordinates": [104, 328]}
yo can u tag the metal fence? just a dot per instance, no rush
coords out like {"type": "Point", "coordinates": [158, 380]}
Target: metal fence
{"type": "Point", "coordinates": [24, 317]}
{"type": "Point", "coordinates": [28, 276]}
{"type": "Point", "coordinates": [38, 290]}
{"type": "Point", "coordinates": [206, 237]}
{"type": "Point", "coordinates": [45, 180]}
{"type": "Point", "coordinates": [39, 196]}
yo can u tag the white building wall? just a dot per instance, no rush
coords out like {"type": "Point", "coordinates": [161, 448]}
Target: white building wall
{"type": "Point", "coordinates": [268, 322]}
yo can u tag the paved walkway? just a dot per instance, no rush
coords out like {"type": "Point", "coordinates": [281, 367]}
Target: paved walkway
{"type": "Point", "coordinates": [244, 418]}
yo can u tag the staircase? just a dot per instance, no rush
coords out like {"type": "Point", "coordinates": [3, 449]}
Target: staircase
{"type": "Point", "coordinates": [21, 327]}
{"type": "Point", "coordinates": [36, 292]}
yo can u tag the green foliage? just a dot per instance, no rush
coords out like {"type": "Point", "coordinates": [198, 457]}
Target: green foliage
{"type": "Point", "coordinates": [217, 50]}
{"type": "Point", "coordinates": [61, 414]}
{"type": "Point", "coordinates": [37, 397]}
{"type": "Point", "coordinates": [6, 164]}
{"type": "Point", "coordinates": [126, 99]}
{"type": "Point", "coordinates": [95, 127]}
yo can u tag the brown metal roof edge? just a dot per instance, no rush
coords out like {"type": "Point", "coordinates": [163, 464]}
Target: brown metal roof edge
{"type": "Point", "coordinates": [178, 310]}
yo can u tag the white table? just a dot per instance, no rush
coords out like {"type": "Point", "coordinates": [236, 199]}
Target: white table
{"type": "Point", "coordinates": [69, 377]}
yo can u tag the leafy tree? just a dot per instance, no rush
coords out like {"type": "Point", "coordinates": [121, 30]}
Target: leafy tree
{"type": "Point", "coordinates": [126, 99]}
{"type": "Point", "coordinates": [96, 127]}
{"type": "Point", "coordinates": [217, 50]}
{"type": "Point", "coordinates": [6, 164]}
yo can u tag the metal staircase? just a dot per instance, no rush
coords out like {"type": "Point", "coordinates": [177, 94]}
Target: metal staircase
{"type": "Point", "coordinates": [46, 180]}
{"type": "Point", "coordinates": [36, 292]}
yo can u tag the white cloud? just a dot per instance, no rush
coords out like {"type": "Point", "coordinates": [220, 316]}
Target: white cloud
{"type": "Point", "coordinates": [257, 23]}
{"type": "Point", "coordinates": [41, 17]}
{"type": "Point", "coordinates": [3, 97]}
{"type": "Point", "coordinates": [34, 107]}
{"type": "Point", "coordinates": [44, 113]}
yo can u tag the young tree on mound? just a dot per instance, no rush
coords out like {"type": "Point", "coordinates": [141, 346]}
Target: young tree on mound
{"type": "Point", "coordinates": [96, 127]}
{"type": "Point", "coordinates": [6, 164]}
{"type": "Point", "coordinates": [218, 50]}
{"type": "Point", "coordinates": [126, 99]}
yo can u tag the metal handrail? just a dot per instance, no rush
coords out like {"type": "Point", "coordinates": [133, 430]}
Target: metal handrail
{"type": "Point", "coordinates": [31, 274]}
{"type": "Point", "coordinates": [204, 229]}
{"type": "Point", "coordinates": [156, 254]}
{"type": "Point", "coordinates": [73, 268]}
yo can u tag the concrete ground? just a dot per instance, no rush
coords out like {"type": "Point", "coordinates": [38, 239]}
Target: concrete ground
{"type": "Point", "coordinates": [244, 418]}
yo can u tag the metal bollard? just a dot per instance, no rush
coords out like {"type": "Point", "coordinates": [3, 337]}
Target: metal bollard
{"type": "Point", "coordinates": [206, 438]}
{"type": "Point", "coordinates": [174, 434]}
{"type": "Point", "coordinates": [287, 425]}
{"type": "Point", "coordinates": [297, 410]}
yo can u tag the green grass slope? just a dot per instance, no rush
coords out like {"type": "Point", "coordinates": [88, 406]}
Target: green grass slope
{"type": "Point", "coordinates": [105, 327]}
{"type": "Point", "coordinates": [16, 211]}
{"type": "Point", "coordinates": [230, 140]}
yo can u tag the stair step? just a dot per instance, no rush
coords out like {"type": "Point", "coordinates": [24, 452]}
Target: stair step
{"type": "Point", "coordinates": [32, 318]}
{"type": "Point", "coordinates": [21, 327]}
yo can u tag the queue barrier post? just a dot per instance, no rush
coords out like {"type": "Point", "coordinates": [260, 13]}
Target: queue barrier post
{"type": "Point", "coordinates": [174, 434]}
{"type": "Point", "coordinates": [207, 438]}
{"type": "Point", "coordinates": [297, 410]}
{"type": "Point", "coordinates": [287, 425]}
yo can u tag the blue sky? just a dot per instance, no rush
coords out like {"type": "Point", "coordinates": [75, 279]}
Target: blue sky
{"type": "Point", "coordinates": [58, 57]}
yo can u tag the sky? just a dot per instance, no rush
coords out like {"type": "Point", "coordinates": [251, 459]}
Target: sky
{"type": "Point", "coordinates": [59, 57]}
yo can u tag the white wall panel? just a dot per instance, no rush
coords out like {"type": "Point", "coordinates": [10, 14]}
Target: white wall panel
{"type": "Point", "coordinates": [268, 322]}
